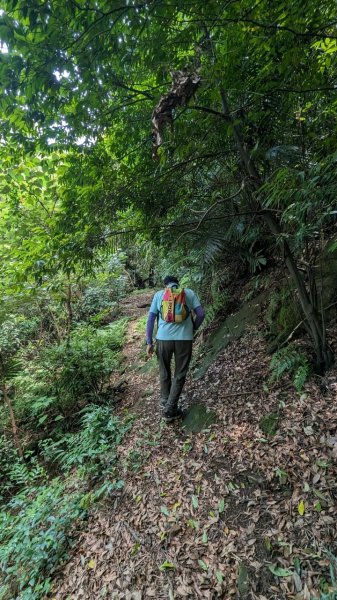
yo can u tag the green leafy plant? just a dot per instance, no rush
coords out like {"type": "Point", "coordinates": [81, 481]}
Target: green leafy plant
{"type": "Point", "coordinates": [35, 534]}
{"type": "Point", "coordinates": [329, 590]}
{"type": "Point", "coordinates": [63, 377]}
{"type": "Point", "coordinates": [290, 360]}
{"type": "Point", "coordinates": [93, 446]}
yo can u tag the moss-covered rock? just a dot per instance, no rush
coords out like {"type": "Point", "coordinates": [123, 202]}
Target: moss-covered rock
{"type": "Point", "coordinates": [269, 423]}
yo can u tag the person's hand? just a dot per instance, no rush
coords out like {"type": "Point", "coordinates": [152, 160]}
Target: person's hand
{"type": "Point", "coordinates": [149, 350]}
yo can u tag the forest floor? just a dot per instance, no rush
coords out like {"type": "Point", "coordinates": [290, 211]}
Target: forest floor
{"type": "Point", "coordinates": [230, 512]}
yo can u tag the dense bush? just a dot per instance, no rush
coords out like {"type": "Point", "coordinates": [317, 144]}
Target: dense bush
{"type": "Point", "coordinates": [35, 535]}
{"type": "Point", "coordinates": [93, 446]}
{"type": "Point", "coordinates": [65, 376]}
{"type": "Point", "coordinates": [17, 473]}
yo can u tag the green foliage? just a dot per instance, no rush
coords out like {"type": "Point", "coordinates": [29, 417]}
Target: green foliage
{"type": "Point", "coordinates": [283, 314]}
{"type": "Point", "coordinates": [14, 332]}
{"type": "Point", "coordinates": [290, 360]}
{"type": "Point", "coordinates": [18, 474]}
{"type": "Point", "coordinates": [65, 376]}
{"type": "Point", "coordinates": [141, 325]}
{"type": "Point", "coordinates": [35, 534]}
{"type": "Point", "coordinates": [102, 294]}
{"type": "Point", "coordinates": [269, 423]}
{"type": "Point", "coordinates": [216, 307]}
{"type": "Point", "coordinates": [326, 592]}
{"type": "Point", "coordinates": [93, 446]}
{"type": "Point", "coordinates": [9, 460]}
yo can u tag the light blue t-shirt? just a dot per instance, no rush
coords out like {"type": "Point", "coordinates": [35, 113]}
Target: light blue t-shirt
{"type": "Point", "coordinates": [175, 331]}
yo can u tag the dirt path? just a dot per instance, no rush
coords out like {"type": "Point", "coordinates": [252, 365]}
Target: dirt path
{"type": "Point", "coordinates": [226, 513]}
{"type": "Point", "coordinates": [139, 372]}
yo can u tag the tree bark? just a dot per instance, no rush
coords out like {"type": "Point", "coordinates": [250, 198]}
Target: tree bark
{"type": "Point", "coordinates": [324, 355]}
{"type": "Point", "coordinates": [13, 421]}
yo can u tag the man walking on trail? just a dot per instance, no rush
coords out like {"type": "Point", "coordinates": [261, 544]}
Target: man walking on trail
{"type": "Point", "coordinates": [173, 307]}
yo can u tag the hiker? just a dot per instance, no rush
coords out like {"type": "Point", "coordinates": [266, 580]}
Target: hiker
{"type": "Point", "coordinates": [179, 314]}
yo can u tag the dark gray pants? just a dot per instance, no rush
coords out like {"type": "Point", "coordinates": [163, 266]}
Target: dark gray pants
{"type": "Point", "coordinates": [170, 390]}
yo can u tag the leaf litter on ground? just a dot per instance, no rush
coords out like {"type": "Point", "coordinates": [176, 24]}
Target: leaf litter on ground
{"type": "Point", "coordinates": [265, 502]}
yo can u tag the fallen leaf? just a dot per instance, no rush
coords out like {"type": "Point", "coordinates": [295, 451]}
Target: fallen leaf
{"type": "Point", "coordinates": [279, 571]}
{"type": "Point", "coordinates": [203, 565]}
{"type": "Point", "coordinates": [166, 565]}
{"type": "Point", "coordinates": [195, 501]}
{"type": "Point", "coordinates": [301, 508]}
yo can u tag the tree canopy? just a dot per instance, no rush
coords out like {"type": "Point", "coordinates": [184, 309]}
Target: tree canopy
{"type": "Point", "coordinates": [210, 120]}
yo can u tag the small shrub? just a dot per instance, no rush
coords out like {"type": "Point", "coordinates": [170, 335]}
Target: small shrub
{"type": "Point", "coordinates": [283, 313]}
{"type": "Point", "coordinates": [269, 424]}
{"type": "Point", "coordinates": [93, 446]}
{"type": "Point", "coordinates": [35, 534]}
{"type": "Point", "coordinates": [8, 458]}
{"type": "Point", "coordinates": [67, 375]}
{"type": "Point", "coordinates": [290, 360]}
{"type": "Point", "coordinates": [101, 297]}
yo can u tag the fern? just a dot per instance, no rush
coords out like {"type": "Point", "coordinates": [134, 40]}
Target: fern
{"type": "Point", "coordinates": [214, 247]}
{"type": "Point", "coordinates": [332, 593]}
{"type": "Point", "coordinates": [93, 446]}
{"type": "Point", "coordinates": [301, 375]}
{"type": "Point", "coordinates": [290, 360]}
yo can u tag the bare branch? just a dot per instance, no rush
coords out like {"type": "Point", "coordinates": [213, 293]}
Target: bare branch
{"type": "Point", "coordinates": [210, 210]}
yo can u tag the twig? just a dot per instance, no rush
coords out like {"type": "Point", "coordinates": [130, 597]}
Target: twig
{"type": "Point", "coordinates": [302, 322]}
{"type": "Point", "coordinates": [241, 393]}
{"type": "Point", "coordinates": [209, 210]}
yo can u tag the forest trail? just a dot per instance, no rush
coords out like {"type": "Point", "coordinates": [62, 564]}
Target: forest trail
{"type": "Point", "coordinates": [230, 512]}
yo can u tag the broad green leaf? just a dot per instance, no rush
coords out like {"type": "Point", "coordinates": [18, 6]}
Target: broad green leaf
{"type": "Point", "coordinates": [166, 565]}
{"type": "Point", "coordinates": [219, 576]}
{"type": "Point", "coordinates": [203, 565]}
{"type": "Point", "coordinates": [164, 510]}
{"type": "Point", "coordinates": [195, 501]}
{"type": "Point", "coordinates": [279, 571]}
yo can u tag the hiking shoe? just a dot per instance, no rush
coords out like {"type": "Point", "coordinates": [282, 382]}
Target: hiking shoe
{"type": "Point", "coordinates": [172, 415]}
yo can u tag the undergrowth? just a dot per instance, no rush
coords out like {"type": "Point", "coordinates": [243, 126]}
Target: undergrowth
{"type": "Point", "coordinates": [35, 534]}
{"type": "Point", "coordinates": [93, 447]}
{"type": "Point", "coordinates": [56, 391]}
{"type": "Point", "coordinates": [55, 383]}
{"type": "Point", "coordinates": [290, 360]}
{"type": "Point", "coordinates": [38, 523]}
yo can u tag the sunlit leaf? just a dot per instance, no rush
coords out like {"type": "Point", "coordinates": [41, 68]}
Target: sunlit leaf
{"type": "Point", "coordinates": [301, 508]}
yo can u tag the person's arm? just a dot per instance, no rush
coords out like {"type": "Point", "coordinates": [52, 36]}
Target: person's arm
{"type": "Point", "coordinates": [151, 319]}
{"type": "Point", "coordinates": [199, 317]}
{"type": "Point", "coordinates": [197, 309]}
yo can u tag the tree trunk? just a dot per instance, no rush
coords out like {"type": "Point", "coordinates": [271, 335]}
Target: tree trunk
{"type": "Point", "coordinates": [324, 355]}
{"type": "Point", "coordinates": [12, 418]}
{"type": "Point", "coordinates": [69, 309]}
